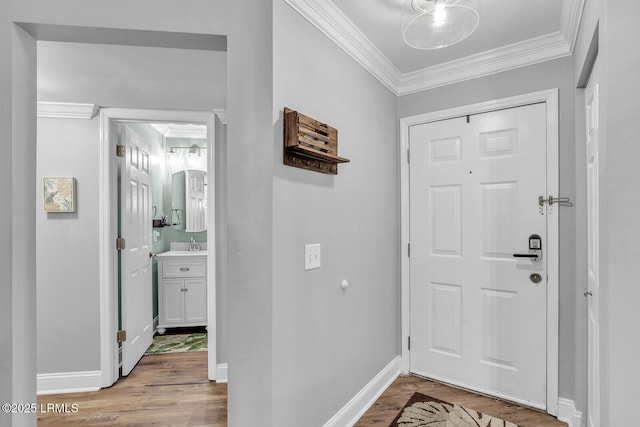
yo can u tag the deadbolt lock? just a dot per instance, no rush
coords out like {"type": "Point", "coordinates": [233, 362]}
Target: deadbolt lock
{"type": "Point", "coordinates": [535, 278]}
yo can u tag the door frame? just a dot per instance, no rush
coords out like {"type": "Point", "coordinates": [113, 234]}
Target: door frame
{"type": "Point", "coordinates": [109, 360]}
{"type": "Point", "coordinates": [550, 97]}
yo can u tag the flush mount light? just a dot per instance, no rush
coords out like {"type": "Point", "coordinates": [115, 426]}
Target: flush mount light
{"type": "Point", "coordinates": [434, 24]}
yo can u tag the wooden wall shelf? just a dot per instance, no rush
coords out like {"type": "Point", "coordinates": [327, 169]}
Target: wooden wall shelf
{"type": "Point", "coordinates": [310, 144]}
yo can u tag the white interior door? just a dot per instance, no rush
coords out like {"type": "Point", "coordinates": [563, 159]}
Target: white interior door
{"type": "Point", "coordinates": [593, 237]}
{"type": "Point", "coordinates": [477, 318]}
{"type": "Point", "coordinates": [135, 228]}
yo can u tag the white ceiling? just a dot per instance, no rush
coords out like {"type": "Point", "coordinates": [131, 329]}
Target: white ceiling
{"type": "Point", "coordinates": [502, 22]}
{"type": "Point", "coordinates": [511, 34]}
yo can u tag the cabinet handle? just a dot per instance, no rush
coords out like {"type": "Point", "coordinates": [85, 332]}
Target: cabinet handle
{"type": "Point", "coordinates": [184, 268]}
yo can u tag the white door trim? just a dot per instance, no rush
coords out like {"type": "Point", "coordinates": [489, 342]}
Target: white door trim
{"type": "Point", "coordinates": [109, 365]}
{"type": "Point", "coordinates": [550, 97]}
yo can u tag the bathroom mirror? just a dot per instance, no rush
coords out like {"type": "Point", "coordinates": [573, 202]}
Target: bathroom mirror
{"type": "Point", "coordinates": [189, 200]}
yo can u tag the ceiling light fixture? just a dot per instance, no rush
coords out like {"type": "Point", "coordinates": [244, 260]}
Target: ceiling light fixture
{"type": "Point", "coordinates": [434, 24]}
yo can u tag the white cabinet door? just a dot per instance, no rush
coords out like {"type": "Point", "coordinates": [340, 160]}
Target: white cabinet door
{"type": "Point", "coordinates": [172, 299]}
{"type": "Point", "coordinates": [195, 301]}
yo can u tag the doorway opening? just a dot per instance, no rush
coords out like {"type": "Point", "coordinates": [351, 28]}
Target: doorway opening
{"type": "Point", "coordinates": [123, 127]}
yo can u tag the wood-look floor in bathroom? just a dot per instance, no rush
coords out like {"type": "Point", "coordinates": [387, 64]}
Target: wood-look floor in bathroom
{"type": "Point", "coordinates": [163, 390]}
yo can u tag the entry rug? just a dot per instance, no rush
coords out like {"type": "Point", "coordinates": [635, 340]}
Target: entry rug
{"type": "Point", "coordinates": [427, 411]}
{"type": "Point", "coordinates": [177, 343]}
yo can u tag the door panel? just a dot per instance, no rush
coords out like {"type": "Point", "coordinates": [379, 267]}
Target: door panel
{"type": "Point", "coordinates": [593, 258]}
{"type": "Point", "coordinates": [135, 223]}
{"type": "Point", "coordinates": [477, 320]}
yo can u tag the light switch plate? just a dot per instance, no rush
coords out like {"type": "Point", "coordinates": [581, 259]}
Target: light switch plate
{"type": "Point", "coordinates": [311, 256]}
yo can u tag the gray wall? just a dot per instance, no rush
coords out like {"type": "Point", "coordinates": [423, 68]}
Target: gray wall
{"type": "Point", "coordinates": [250, 212]}
{"type": "Point", "coordinates": [621, 175]}
{"type": "Point", "coordinates": [67, 280]}
{"type": "Point", "coordinates": [221, 241]}
{"type": "Point", "coordinates": [329, 343]}
{"type": "Point", "coordinates": [619, 63]}
{"type": "Point", "coordinates": [132, 76]}
{"type": "Point", "coordinates": [547, 75]}
{"type": "Point", "coordinates": [17, 118]}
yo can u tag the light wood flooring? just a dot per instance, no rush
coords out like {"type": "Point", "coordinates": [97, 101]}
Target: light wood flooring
{"type": "Point", "coordinates": [384, 411]}
{"type": "Point", "coordinates": [163, 390]}
{"type": "Point", "coordinates": [173, 390]}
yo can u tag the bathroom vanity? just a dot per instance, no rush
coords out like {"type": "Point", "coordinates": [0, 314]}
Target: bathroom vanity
{"type": "Point", "coordinates": [182, 289]}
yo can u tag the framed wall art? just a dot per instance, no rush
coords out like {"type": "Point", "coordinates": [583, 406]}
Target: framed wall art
{"type": "Point", "coordinates": [59, 194]}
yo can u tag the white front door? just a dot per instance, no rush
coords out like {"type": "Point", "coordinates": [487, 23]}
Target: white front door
{"type": "Point", "coordinates": [593, 260]}
{"type": "Point", "coordinates": [135, 227]}
{"type": "Point", "coordinates": [478, 320]}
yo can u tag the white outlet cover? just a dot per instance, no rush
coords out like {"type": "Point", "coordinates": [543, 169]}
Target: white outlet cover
{"type": "Point", "coordinates": [312, 256]}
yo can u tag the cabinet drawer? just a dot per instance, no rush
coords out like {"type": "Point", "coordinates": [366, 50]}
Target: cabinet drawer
{"type": "Point", "coordinates": [183, 269]}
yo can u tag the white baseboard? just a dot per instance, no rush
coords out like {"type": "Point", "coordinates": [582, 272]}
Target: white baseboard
{"type": "Point", "coordinates": [69, 382]}
{"type": "Point", "coordinates": [222, 375]}
{"type": "Point", "coordinates": [358, 405]}
{"type": "Point", "coordinates": [568, 413]}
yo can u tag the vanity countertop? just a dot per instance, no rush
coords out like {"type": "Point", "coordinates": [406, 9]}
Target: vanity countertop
{"type": "Point", "coordinates": [181, 250]}
{"type": "Point", "coordinates": [182, 254]}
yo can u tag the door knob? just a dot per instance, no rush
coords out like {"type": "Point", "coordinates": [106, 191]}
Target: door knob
{"type": "Point", "coordinates": [587, 293]}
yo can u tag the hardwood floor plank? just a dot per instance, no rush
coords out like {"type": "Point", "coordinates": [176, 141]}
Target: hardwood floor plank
{"type": "Point", "coordinates": [388, 406]}
{"type": "Point", "coordinates": [162, 390]}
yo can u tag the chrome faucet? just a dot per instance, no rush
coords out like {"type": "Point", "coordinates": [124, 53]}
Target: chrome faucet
{"type": "Point", "coordinates": [194, 246]}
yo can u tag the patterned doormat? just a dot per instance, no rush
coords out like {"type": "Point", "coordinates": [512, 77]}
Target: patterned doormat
{"type": "Point", "coordinates": [422, 410]}
{"type": "Point", "coordinates": [177, 343]}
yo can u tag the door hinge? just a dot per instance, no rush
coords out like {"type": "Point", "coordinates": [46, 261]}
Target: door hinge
{"type": "Point", "coordinates": [409, 342]}
{"type": "Point", "coordinates": [121, 336]}
{"type": "Point", "coordinates": [408, 155]}
{"type": "Point", "coordinates": [121, 151]}
{"type": "Point", "coordinates": [120, 243]}
{"type": "Point", "coordinates": [409, 250]}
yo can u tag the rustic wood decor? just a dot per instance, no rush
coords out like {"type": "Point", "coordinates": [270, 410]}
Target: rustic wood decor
{"type": "Point", "coordinates": [310, 144]}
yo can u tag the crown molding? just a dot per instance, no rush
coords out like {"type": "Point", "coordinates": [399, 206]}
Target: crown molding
{"type": "Point", "coordinates": [570, 18]}
{"type": "Point", "coordinates": [493, 61]}
{"type": "Point", "coordinates": [175, 130]}
{"type": "Point", "coordinates": [179, 130]}
{"type": "Point", "coordinates": [333, 23]}
{"type": "Point", "coordinates": [67, 110]}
